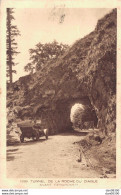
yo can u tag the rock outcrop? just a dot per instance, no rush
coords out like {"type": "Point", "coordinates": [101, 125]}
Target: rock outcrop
{"type": "Point", "coordinates": [86, 74]}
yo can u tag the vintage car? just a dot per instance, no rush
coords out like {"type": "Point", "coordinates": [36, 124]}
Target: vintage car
{"type": "Point", "coordinates": [30, 129]}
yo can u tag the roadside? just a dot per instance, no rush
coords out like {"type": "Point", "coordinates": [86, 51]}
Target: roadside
{"type": "Point", "coordinates": [56, 157]}
{"type": "Point", "coordinates": [100, 155]}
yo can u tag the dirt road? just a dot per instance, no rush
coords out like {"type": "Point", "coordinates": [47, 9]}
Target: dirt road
{"type": "Point", "coordinates": [56, 157]}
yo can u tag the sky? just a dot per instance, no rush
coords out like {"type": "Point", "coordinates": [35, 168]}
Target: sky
{"type": "Point", "coordinates": [45, 25]}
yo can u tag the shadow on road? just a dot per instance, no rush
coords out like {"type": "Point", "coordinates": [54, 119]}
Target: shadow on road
{"type": "Point", "coordinates": [73, 133]}
{"type": "Point", "coordinates": [29, 142]}
{"type": "Point", "coordinates": [12, 150]}
{"type": "Point", "coordinates": [10, 157]}
{"type": "Point", "coordinates": [10, 154]}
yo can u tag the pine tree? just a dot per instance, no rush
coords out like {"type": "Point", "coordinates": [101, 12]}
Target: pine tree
{"type": "Point", "coordinates": [11, 33]}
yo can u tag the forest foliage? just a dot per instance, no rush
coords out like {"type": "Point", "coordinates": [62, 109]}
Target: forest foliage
{"type": "Point", "coordinates": [44, 53]}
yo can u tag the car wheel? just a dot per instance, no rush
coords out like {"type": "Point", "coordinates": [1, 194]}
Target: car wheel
{"type": "Point", "coordinates": [33, 138]}
{"type": "Point", "coordinates": [37, 137]}
{"type": "Point", "coordinates": [22, 138]}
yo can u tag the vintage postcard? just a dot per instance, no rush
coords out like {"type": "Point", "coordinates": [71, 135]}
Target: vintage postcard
{"type": "Point", "coordinates": [60, 94]}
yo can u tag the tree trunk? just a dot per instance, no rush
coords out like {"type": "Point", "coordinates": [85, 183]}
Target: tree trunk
{"type": "Point", "coordinates": [10, 57]}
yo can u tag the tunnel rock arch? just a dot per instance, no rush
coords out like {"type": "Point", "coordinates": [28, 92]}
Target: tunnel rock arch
{"type": "Point", "coordinates": [57, 118]}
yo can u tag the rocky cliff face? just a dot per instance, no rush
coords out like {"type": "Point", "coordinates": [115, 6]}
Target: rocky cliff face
{"type": "Point", "coordinates": [85, 74]}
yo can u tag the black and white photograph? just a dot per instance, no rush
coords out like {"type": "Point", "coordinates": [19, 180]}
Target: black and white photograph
{"type": "Point", "coordinates": [61, 90]}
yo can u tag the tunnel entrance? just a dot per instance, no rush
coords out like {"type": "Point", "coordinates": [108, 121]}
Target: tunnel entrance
{"type": "Point", "coordinates": [66, 115]}
{"type": "Point", "coordinates": [83, 117]}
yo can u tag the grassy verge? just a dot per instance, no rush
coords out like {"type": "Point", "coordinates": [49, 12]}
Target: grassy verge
{"type": "Point", "coordinates": [102, 156]}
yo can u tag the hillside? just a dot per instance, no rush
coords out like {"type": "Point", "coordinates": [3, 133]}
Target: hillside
{"type": "Point", "coordinates": [86, 74]}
